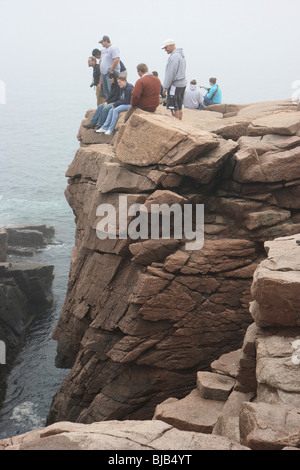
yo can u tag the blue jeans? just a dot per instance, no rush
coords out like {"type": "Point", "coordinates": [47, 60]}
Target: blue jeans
{"type": "Point", "coordinates": [106, 85]}
{"type": "Point", "coordinates": [208, 101]}
{"type": "Point", "coordinates": [113, 117]}
{"type": "Point", "coordinates": [101, 114]}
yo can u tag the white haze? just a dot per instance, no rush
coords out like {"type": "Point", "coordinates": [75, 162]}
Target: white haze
{"type": "Point", "coordinates": [252, 47]}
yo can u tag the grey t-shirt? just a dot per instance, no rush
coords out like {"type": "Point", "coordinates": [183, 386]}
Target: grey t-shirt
{"type": "Point", "coordinates": [108, 54]}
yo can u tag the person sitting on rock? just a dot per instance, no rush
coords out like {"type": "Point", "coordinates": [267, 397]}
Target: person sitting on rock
{"type": "Point", "coordinates": [214, 95]}
{"type": "Point", "coordinates": [145, 94]}
{"type": "Point", "coordinates": [122, 104]}
{"type": "Point", "coordinates": [193, 98]}
{"type": "Point", "coordinates": [102, 111]}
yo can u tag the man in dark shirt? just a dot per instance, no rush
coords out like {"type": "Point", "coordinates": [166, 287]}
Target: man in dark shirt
{"type": "Point", "coordinates": [92, 62]}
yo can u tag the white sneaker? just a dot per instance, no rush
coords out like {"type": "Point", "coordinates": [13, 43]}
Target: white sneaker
{"type": "Point", "coordinates": [108, 132]}
{"type": "Point", "coordinates": [99, 131]}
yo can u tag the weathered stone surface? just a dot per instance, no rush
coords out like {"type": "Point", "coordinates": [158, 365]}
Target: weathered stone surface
{"type": "Point", "coordinates": [227, 364]}
{"type": "Point", "coordinates": [116, 178]}
{"type": "Point", "coordinates": [283, 123]}
{"type": "Point", "coordinates": [228, 424]}
{"type": "Point", "coordinates": [89, 160]}
{"type": "Point", "coordinates": [266, 218]}
{"type": "Point", "coordinates": [205, 169]}
{"type": "Point", "coordinates": [270, 167]}
{"type": "Point", "coordinates": [118, 436]}
{"type": "Point", "coordinates": [269, 427]}
{"type": "Point", "coordinates": [214, 386]}
{"type": "Point", "coordinates": [275, 289]}
{"type": "Point", "coordinates": [266, 108]}
{"type": "Point", "coordinates": [277, 370]}
{"type": "Point", "coordinates": [150, 139]}
{"type": "Point", "coordinates": [192, 413]}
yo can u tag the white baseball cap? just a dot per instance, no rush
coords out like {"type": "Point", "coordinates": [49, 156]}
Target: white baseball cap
{"type": "Point", "coordinates": [168, 42]}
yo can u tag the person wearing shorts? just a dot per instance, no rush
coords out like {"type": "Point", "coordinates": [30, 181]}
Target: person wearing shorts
{"type": "Point", "coordinates": [175, 78]}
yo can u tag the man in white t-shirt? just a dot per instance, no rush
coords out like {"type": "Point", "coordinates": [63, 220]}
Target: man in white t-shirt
{"type": "Point", "coordinates": [110, 62]}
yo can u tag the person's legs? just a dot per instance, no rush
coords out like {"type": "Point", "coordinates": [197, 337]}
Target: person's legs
{"type": "Point", "coordinates": [106, 85]}
{"type": "Point", "coordinates": [115, 115]}
{"type": "Point", "coordinates": [208, 101]}
{"type": "Point", "coordinates": [107, 122]}
{"type": "Point", "coordinates": [97, 114]}
{"type": "Point", "coordinates": [104, 113]}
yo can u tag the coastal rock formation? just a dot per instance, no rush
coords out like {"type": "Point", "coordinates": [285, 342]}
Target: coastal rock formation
{"type": "Point", "coordinates": [25, 287]}
{"type": "Point", "coordinates": [118, 436]}
{"type": "Point", "coordinates": [143, 316]}
{"type": "Point", "coordinates": [252, 395]}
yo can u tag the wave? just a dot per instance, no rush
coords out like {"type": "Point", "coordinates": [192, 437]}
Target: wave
{"type": "Point", "coordinates": [26, 415]}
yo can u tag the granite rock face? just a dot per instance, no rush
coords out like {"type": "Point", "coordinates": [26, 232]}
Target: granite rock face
{"type": "Point", "coordinates": [118, 436]}
{"type": "Point", "coordinates": [142, 317]}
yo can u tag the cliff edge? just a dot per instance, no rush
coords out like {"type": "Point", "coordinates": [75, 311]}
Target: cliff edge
{"type": "Point", "coordinates": [142, 316]}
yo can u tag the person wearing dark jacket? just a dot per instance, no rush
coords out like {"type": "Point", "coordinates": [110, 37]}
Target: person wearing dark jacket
{"type": "Point", "coordinates": [121, 105]}
{"type": "Point", "coordinates": [92, 62]}
{"type": "Point", "coordinates": [102, 111]}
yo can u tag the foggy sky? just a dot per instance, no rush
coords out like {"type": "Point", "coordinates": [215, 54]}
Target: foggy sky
{"type": "Point", "coordinates": [252, 47]}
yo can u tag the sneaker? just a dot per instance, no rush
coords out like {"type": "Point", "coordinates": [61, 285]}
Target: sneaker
{"type": "Point", "coordinates": [99, 131]}
{"type": "Point", "coordinates": [108, 132]}
{"type": "Point", "coordinates": [89, 126]}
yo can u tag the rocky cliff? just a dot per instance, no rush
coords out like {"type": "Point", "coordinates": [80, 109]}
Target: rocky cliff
{"type": "Point", "coordinates": [142, 317]}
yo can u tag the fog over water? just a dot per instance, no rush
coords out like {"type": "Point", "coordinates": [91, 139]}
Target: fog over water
{"type": "Point", "coordinates": [252, 47]}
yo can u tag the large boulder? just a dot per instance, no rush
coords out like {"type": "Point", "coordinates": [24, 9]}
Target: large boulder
{"type": "Point", "coordinates": [151, 139]}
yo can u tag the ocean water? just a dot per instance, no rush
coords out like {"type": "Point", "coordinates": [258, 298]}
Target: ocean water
{"type": "Point", "coordinates": [37, 143]}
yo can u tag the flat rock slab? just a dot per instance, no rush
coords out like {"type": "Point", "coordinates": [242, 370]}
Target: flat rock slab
{"type": "Point", "coordinates": [116, 435]}
{"type": "Point", "coordinates": [227, 364]}
{"type": "Point", "coordinates": [265, 426]}
{"type": "Point", "coordinates": [192, 413]}
{"type": "Point", "coordinates": [214, 386]}
{"type": "Point", "coordinates": [283, 123]}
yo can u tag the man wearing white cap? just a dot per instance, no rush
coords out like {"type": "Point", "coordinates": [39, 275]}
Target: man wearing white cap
{"type": "Point", "coordinates": [175, 79]}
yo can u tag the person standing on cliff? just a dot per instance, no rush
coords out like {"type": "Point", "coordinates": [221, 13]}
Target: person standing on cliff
{"type": "Point", "coordinates": [175, 78]}
{"type": "Point", "coordinates": [92, 62]}
{"type": "Point", "coordinates": [110, 62]}
{"type": "Point", "coordinates": [99, 90]}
